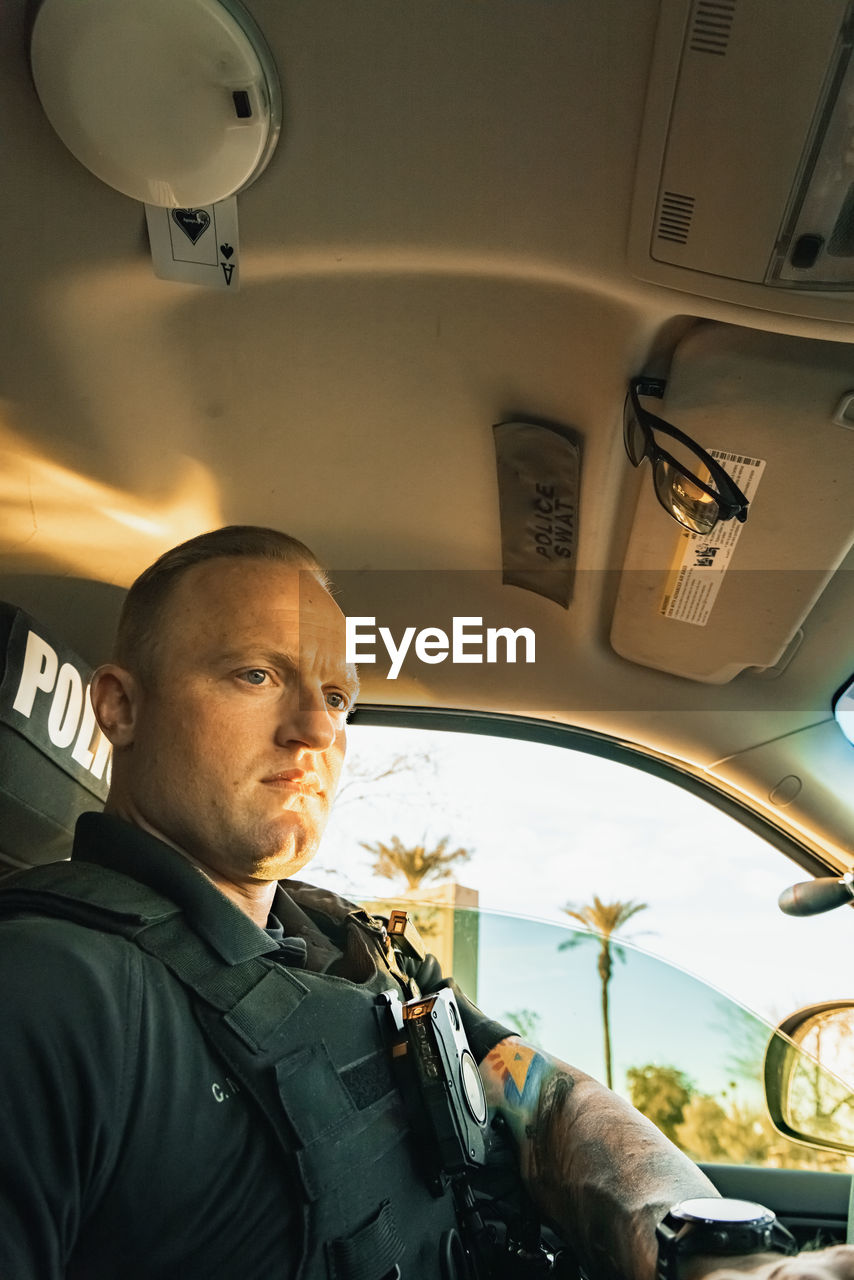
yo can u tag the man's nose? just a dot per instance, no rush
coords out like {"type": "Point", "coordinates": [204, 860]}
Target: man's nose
{"type": "Point", "coordinates": [307, 719]}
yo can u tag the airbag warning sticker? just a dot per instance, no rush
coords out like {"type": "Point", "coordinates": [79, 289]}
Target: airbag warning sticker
{"type": "Point", "coordinates": [702, 559]}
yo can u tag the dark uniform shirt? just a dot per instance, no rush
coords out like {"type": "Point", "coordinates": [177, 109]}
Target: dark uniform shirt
{"type": "Point", "coordinates": [126, 1149]}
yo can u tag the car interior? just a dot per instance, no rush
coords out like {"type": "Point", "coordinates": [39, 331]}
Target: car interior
{"type": "Point", "coordinates": [535, 326]}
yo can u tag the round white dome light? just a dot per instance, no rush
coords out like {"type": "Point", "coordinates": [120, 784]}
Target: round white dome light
{"type": "Point", "coordinates": [173, 103]}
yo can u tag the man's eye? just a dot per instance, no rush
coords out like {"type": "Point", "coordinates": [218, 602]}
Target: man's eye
{"type": "Point", "coordinates": [338, 701]}
{"type": "Point", "coordinates": [255, 676]}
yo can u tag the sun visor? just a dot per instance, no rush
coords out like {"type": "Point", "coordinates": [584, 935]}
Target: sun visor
{"type": "Point", "coordinates": [775, 411]}
{"type": "Point", "coordinates": [54, 760]}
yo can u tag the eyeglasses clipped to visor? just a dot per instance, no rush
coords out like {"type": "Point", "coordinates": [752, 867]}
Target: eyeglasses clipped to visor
{"type": "Point", "coordinates": [697, 502]}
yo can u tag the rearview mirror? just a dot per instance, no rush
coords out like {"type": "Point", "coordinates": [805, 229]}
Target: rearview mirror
{"type": "Point", "coordinates": [809, 1076]}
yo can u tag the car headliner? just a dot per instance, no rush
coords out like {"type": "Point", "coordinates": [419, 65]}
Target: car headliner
{"type": "Point", "coordinates": [439, 243]}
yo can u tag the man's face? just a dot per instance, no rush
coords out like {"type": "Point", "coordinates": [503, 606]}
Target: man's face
{"type": "Point", "coordinates": [240, 731]}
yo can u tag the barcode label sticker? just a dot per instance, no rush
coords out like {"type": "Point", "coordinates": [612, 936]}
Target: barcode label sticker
{"type": "Point", "coordinates": [702, 559]}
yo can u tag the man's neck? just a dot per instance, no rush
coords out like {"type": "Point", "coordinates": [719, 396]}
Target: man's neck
{"type": "Point", "coordinates": [254, 898]}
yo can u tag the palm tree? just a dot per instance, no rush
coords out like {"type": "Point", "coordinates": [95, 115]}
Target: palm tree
{"type": "Point", "coordinates": [414, 863]}
{"type": "Point", "coordinates": [604, 919]}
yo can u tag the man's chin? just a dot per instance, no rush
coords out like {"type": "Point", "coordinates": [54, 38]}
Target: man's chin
{"type": "Point", "coordinates": [284, 858]}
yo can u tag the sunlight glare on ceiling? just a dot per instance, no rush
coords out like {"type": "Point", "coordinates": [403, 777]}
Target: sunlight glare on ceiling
{"type": "Point", "coordinates": [52, 516]}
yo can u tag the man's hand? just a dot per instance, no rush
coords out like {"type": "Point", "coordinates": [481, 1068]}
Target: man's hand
{"type": "Point", "coordinates": [836, 1263]}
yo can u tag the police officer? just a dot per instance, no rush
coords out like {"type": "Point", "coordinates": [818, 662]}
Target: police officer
{"type": "Point", "coordinates": [192, 1082]}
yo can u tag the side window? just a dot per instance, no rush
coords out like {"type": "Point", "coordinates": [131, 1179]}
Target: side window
{"type": "Point", "coordinates": [621, 922]}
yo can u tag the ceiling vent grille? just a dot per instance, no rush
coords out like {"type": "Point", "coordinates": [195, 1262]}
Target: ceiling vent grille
{"type": "Point", "coordinates": [712, 27]}
{"type": "Point", "coordinates": [674, 218]}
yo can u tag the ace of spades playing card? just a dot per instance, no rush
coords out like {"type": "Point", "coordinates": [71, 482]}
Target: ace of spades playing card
{"type": "Point", "coordinates": [198, 246]}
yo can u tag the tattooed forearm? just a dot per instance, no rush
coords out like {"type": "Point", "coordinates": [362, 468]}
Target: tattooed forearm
{"type": "Point", "coordinates": [547, 1133]}
{"type": "Point", "coordinates": [515, 1075]}
{"type": "Point", "coordinates": [594, 1165]}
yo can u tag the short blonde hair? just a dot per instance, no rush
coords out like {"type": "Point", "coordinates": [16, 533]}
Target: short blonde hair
{"type": "Point", "coordinates": [141, 617]}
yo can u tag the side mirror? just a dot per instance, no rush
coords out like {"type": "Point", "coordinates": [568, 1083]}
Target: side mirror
{"type": "Point", "coordinates": [809, 1063]}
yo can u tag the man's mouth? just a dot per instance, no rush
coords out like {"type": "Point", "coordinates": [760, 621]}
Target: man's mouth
{"type": "Point", "coordinates": [294, 780]}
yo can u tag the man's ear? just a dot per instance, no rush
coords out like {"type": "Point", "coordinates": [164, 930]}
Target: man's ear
{"type": "Point", "coordinates": [115, 695]}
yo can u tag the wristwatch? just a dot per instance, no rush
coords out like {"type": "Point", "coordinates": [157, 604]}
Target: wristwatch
{"type": "Point", "coordinates": [719, 1227]}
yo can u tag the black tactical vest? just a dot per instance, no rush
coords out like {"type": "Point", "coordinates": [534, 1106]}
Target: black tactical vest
{"type": "Point", "coordinates": [312, 1051]}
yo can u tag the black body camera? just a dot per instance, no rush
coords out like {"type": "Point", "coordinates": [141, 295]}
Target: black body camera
{"type": "Point", "coordinates": [439, 1079]}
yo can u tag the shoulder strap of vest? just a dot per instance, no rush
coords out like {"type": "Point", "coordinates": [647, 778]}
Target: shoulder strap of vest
{"type": "Point", "coordinates": [402, 955]}
{"type": "Point", "coordinates": [85, 893]}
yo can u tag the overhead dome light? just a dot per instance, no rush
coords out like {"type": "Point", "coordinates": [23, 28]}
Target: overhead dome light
{"type": "Point", "coordinates": [174, 104]}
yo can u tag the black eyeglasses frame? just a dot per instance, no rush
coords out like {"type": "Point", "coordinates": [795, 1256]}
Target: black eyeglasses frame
{"type": "Point", "coordinates": [731, 502]}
